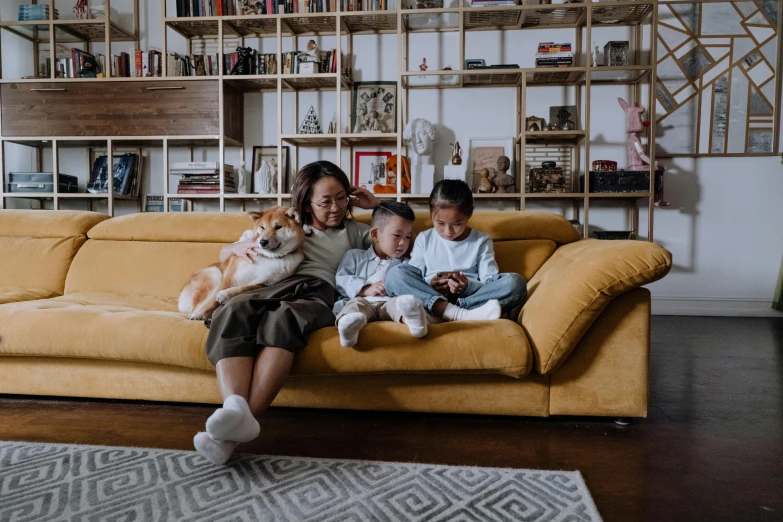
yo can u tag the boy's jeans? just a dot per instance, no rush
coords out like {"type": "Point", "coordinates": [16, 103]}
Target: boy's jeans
{"type": "Point", "coordinates": [510, 289]}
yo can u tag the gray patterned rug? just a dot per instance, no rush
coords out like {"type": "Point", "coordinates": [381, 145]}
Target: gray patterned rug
{"type": "Point", "coordinates": [56, 482]}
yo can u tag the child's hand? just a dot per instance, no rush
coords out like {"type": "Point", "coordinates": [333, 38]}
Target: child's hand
{"type": "Point", "coordinates": [458, 283]}
{"type": "Point", "coordinates": [441, 285]}
{"type": "Point", "coordinates": [374, 290]}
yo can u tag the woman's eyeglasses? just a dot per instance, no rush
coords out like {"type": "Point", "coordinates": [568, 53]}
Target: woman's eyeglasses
{"type": "Point", "coordinates": [340, 202]}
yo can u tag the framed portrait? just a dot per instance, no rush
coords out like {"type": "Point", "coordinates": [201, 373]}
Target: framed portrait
{"type": "Point", "coordinates": [370, 169]}
{"type": "Point", "coordinates": [534, 124]}
{"type": "Point", "coordinates": [374, 107]}
{"type": "Point", "coordinates": [483, 153]}
{"type": "Point", "coordinates": [269, 153]}
{"type": "Point", "coordinates": [564, 116]}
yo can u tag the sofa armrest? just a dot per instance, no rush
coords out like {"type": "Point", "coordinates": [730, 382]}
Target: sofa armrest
{"type": "Point", "coordinates": [574, 286]}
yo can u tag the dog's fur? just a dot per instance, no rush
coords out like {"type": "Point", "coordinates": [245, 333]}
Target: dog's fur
{"type": "Point", "coordinates": [280, 243]}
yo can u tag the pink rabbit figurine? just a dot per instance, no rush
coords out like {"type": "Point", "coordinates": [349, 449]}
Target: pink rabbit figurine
{"type": "Point", "coordinates": [634, 125]}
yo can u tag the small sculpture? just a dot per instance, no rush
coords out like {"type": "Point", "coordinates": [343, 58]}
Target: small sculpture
{"type": "Point", "coordinates": [242, 178]}
{"type": "Point", "coordinates": [596, 54]}
{"type": "Point", "coordinates": [421, 135]}
{"type": "Point", "coordinates": [502, 180]}
{"type": "Point", "coordinates": [311, 54]}
{"type": "Point", "coordinates": [423, 66]}
{"type": "Point", "coordinates": [485, 185]}
{"type": "Point", "coordinates": [552, 127]}
{"type": "Point", "coordinates": [456, 153]}
{"type": "Point", "coordinates": [243, 61]}
{"type": "Point", "coordinates": [637, 158]}
{"type": "Point", "coordinates": [310, 124]}
{"type": "Point", "coordinates": [265, 178]}
{"type": "Point", "coordinates": [80, 10]}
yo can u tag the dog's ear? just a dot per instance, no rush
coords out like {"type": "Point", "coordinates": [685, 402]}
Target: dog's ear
{"type": "Point", "coordinates": [255, 215]}
{"type": "Point", "coordinates": [294, 214]}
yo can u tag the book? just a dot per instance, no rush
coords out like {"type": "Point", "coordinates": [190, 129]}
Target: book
{"type": "Point", "coordinates": [88, 65]}
{"type": "Point", "coordinates": [125, 171]}
{"type": "Point", "coordinates": [197, 165]}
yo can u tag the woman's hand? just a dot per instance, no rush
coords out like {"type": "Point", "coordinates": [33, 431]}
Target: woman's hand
{"type": "Point", "coordinates": [458, 283]}
{"type": "Point", "coordinates": [243, 249]}
{"type": "Point", "coordinates": [363, 198]}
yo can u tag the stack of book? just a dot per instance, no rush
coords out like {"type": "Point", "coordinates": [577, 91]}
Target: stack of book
{"type": "Point", "coordinates": [367, 5]}
{"type": "Point", "coordinates": [29, 12]}
{"type": "Point", "coordinates": [203, 177]}
{"type": "Point", "coordinates": [137, 65]}
{"type": "Point", "coordinates": [209, 7]}
{"type": "Point", "coordinates": [195, 65]}
{"type": "Point", "coordinates": [551, 54]}
{"type": "Point", "coordinates": [83, 64]}
{"type": "Point", "coordinates": [488, 3]}
{"type": "Point", "coordinates": [125, 172]}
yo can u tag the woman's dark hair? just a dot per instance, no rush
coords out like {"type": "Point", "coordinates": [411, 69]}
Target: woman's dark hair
{"type": "Point", "coordinates": [303, 186]}
{"type": "Point", "coordinates": [452, 193]}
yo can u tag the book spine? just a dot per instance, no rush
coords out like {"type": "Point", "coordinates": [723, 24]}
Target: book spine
{"type": "Point", "coordinates": [195, 165]}
{"type": "Point", "coordinates": [139, 59]}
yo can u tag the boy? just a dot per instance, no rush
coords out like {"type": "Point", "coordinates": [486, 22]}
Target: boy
{"type": "Point", "coordinates": [361, 272]}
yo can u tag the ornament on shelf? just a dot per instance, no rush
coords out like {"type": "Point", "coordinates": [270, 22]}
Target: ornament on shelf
{"type": "Point", "coordinates": [501, 179]}
{"type": "Point", "coordinates": [264, 179]}
{"type": "Point", "coordinates": [596, 56]}
{"type": "Point", "coordinates": [637, 159]}
{"type": "Point", "coordinates": [423, 66]}
{"type": "Point", "coordinates": [485, 185]}
{"type": "Point", "coordinates": [311, 54]}
{"type": "Point", "coordinates": [80, 10]}
{"type": "Point", "coordinates": [243, 61]}
{"type": "Point", "coordinates": [310, 124]}
{"type": "Point", "coordinates": [242, 178]}
{"type": "Point", "coordinates": [391, 176]}
{"type": "Point", "coordinates": [456, 153]}
{"type": "Point", "coordinates": [253, 7]}
{"type": "Point", "coordinates": [421, 135]}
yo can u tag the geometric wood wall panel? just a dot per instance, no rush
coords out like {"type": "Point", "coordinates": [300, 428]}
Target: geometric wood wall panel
{"type": "Point", "coordinates": [717, 77]}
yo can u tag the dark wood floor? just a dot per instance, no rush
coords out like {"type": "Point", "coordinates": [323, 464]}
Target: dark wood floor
{"type": "Point", "coordinates": [711, 449]}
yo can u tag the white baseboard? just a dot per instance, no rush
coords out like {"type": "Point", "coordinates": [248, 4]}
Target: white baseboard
{"type": "Point", "coordinates": [713, 307]}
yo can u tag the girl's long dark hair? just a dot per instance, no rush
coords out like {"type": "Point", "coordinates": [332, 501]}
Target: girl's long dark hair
{"type": "Point", "coordinates": [452, 193]}
{"type": "Point", "coordinates": [303, 186]}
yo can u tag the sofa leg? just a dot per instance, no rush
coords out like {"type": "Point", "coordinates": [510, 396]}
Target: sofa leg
{"type": "Point", "coordinates": [623, 421]}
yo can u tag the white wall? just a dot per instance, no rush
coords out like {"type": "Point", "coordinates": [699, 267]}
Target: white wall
{"type": "Point", "coordinates": [724, 226]}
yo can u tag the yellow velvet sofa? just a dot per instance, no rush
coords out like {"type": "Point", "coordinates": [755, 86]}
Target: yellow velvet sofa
{"type": "Point", "coordinates": [104, 322]}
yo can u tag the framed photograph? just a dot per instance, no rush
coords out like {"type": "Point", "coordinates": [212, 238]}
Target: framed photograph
{"type": "Point", "coordinates": [475, 62]}
{"type": "Point", "coordinates": [564, 116]}
{"type": "Point", "coordinates": [534, 124]}
{"type": "Point", "coordinates": [483, 153]}
{"type": "Point", "coordinates": [269, 153]}
{"type": "Point", "coordinates": [370, 169]}
{"type": "Point", "coordinates": [374, 107]}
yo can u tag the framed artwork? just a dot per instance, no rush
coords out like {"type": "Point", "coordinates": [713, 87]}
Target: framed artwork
{"type": "Point", "coordinates": [483, 153]}
{"type": "Point", "coordinates": [269, 153]}
{"type": "Point", "coordinates": [565, 117]}
{"type": "Point", "coordinates": [374, 107]}
{"type": "Point", "coordinates": [370, 169]}
{"type": "Point", "coordinates": [717, 81]}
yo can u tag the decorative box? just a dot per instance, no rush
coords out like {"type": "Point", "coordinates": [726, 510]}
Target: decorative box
{"type": "Point", "coordinates": [614, 234]}
{"type": "Point", "coordinates": [40, 182]}
{"type": "Point", "coordinates": [604, 166]}
{"type": "Point", "coordinates": [623, 181]}
{"type": "Point", "coordinates": [616, 53]}
{"type": "Point", "coordinates": [549, 180]}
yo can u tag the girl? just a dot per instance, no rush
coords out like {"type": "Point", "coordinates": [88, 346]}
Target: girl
{"type": "Point", "coordinates": [253, 337]}
{"type": "Point", "coordinates": [452, 268]}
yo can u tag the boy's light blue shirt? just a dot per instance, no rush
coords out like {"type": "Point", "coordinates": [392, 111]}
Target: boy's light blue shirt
{"type": "Point", "coordinates": [474, 256]}
{"type": "Point", "coordinates": [354, 270]}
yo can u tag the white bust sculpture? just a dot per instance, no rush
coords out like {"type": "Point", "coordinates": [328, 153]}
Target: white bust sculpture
{"type": "Point", "coordinates": [421, 135]}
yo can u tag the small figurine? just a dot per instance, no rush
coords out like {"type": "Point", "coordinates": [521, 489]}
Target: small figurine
{"type": "Point", "coordinates": [253, 7]}
{"type": "Point", "coordinates": [596, 55]}
{"type": "Point", "coordinates": [80, 10]}
{"type": "Point", "coordinates": [485, 185]}
{"type": "Point", "coordinates": [243, 59]}
{"type": "Point", "coordinates": [637, 158]}
{"type": "Point", "coordinates": [242, 178]}
{"type": "Point", "coordinates": [502, 180]}
{"type": "Point", "coordinates": [265, 178]}
{"type": "Point", "coordinates": [423, 67]}
{"type": "Point", "coordinates": [311, 54]}
{"type": "Point", "coordinates": [456, 153]}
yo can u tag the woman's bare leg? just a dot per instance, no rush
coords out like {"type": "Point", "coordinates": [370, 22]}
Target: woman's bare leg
{"type": "Point", "coordinates": [271, 369]}
{"type": "Point", "coordinates": [234, 375]}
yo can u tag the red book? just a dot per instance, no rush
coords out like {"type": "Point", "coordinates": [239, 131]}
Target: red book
{"type": "Point", "coordinates": [233, 58]}
{"type": "Point", "coordinates": [138, 71]}
{"type": "Point", "coordinates": [220, 7]}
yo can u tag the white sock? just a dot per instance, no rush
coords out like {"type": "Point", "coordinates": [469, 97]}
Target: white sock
{"type": "Point", "coordinates": [349, 326]}
{"type": "Point", "coordinates": [215, 451]}
{"type": "Point", "coordinates": [414, 314]}
{"type": "Point", "coordinates": [487, 312]}
{"type": "Point", "coordinates": [233, 422]}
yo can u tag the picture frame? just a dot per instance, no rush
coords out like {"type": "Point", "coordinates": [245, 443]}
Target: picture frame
{"type": "Point", "coordinates": [535, 124]}
{"type": "Point", "coordinates": [269, 153]}
{"type": "Point", "coordinates": [474, 62]}
{"type": "Point", "coordinates": [370, 168]}
{"type": "Point", "coordinates": [484, 152]}
{"type": "Point", "coordinates": [564, 113]}
{"type": "Point", "coordinates": [380, 97]}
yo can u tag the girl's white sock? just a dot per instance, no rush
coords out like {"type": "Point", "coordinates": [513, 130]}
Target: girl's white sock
{"type": "Point", "coordinates": [349, 327]}
{"type": "Point", "coordinates": [489, 311]}
{"type": "Point", "coordinates": [414, 314]}
{"type": "Point", "coordinates": [233, 422]}
{"type": "Point", "coordinates": [216, 451]}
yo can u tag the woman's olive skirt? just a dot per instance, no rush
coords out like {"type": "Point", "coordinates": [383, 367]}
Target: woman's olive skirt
{"type": "Point", "coordinates": [283, 315]}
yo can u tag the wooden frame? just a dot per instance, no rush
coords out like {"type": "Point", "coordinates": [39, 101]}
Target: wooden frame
{"type": "Point", "coordinates": [368, 180]}
{"type": "Point", "coordinates": [267, 151]}
{"type": "Point", "coordinates": [367, 94]}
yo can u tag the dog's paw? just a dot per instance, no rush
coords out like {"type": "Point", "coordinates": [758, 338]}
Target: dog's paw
{"type": "Point", "coordinates": [197, 317]}
{"type": "Point", "coordinates": [222, 296]}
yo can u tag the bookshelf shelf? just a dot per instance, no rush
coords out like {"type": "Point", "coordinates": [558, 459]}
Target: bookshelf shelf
{"type": "Point", "coordinates": [554, 195]}
{"type": "Point", "coordinates": [369, 22]}
{"type": "Point", "coordinates": [313, 82]}
{"type": "Point", "coordinates": [351, 140]}
{"type": "Point", "coordinates": [310, 140]}
{"type": "Point", "coordinates": [66, 195]}
{"type": "Point", "coordinates": [68, 31]}
{"type": "Point", "coordinates": [629, 74]}
{"type": "Point", "coordinates": [253, 83]}
{"type": "Point", "coordinates": [556, 137]}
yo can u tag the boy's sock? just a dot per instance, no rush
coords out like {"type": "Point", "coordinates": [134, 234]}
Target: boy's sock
{"type": "Point", "coordinates": [414, 314]}
{"type": "Point", "coordinates": [233, 422]}
{"type": "Point", "coordinates": [215, 451]}
{"type": "Point", "coordinates": [487, 312]}
{"type": "Point", "coordinates": [349, 327]}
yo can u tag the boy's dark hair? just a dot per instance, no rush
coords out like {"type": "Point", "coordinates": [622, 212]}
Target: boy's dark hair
{"type": "Point", "coordinates": [302, 190]}
{"type": "Point", "coordinates": [387, 209]}
{"type": "Point", "coordinates": [452, 193]}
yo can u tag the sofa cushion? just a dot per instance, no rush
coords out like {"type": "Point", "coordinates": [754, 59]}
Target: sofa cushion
{"type": "Point", "coordinates": [42, 263]}
{"type": "Point", "coordinates": [50, 223]}
{"type": "Point", "coordinates": [14, 294]}
{"type": "Point", "coordinates": [149, 329]}
{"type": "Point", "coordinates": [575, 285]}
